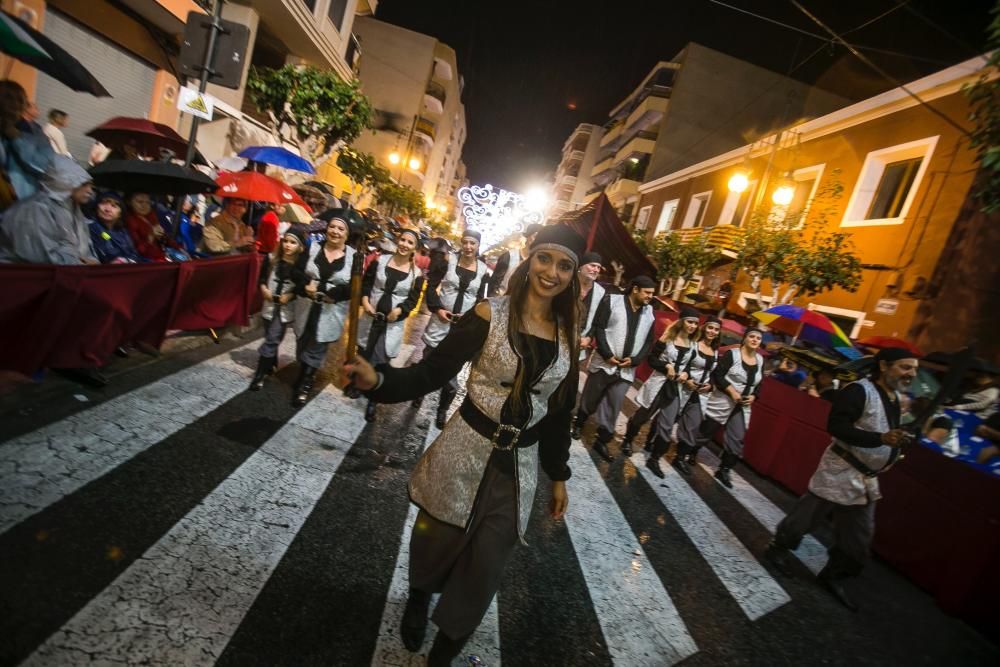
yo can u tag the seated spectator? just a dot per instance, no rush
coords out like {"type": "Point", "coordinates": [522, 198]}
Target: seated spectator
{"type": "Point", "coordinates": [267, 228]}
{"type": "Point", "coordinates": [788, 372]}
{"type": "Point", "coordinates": [981, 398]}
{"type": "Point", "coordinates": [148, 235]}
{"type": "Point", "coordinates": [49, 227]}
{"type": "Point", "coordinates": [190, 230]}
{"type": "Point", "coordinates": [25, 152]}
{"type": "Point", "coordinates": [111, 239]}
{"type": "Point", "coordinates": [824, 384]}
{"type": "Point", "coordinates": [226, 234]}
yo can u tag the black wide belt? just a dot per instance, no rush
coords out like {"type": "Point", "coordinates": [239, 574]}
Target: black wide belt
{"type": "Point", "coordinates": [856, 463]}
{"type": "Point", "coordinates": [503, 436]}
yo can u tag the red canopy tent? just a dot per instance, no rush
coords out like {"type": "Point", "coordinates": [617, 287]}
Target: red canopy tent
{"type": "Point", "coordinates": [598, 223]}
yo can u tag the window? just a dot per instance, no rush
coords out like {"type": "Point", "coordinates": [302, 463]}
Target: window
{"type": "Point", "coordinates": [642, 220]}
{"type": "Point", "coordinates": [849, 321]}
{"type": "Point", "coordinates": [336, 13]}
{"type": "Point", "coordinates": [888, 184]}
{"type": "Point", "coordinates": [696, 210]}
{"type": "Point", "coordinates": [748, 302]}
{"type": "Point", "coordinates": [806, 181]}
{"type": "Point", "coordinates": [734, 209]}
{"type": "Point", "coordinates": [666, 216]}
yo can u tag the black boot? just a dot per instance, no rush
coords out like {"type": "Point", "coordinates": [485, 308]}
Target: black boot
{"type": "Point", "coordinates": [414, 624]}
{"type": "Point", "coordinates": [601, 448]}
{"type": "Point", "coordinates": [780, 557]}
{"type": "Point", "coordinates": [264, 366]}
{"type": "Point", "coordinates": [680, 459]}
{"type": "Point", "coordinates": [835, 587]}
{"type": "Point", "coordinates": [627, 447]}
{"type": "Point", "coordinates": [631, 431]}
{"type": "Point", "coordinates": [447, 396]}
{"type": "Point", "coordinates": [300, 392]}
{"type": "Point", "coordinates": [575, 428]}
{"type": "Point", "coordinates": [445, 649]}
{"type": "Point", "coordinates": [692, 456]}
{"type": "Point", "coordinates": [653, 461]}
{"type": "Point", "coordinates": [725, 465]}
{"type": "Point", "coordinates": [370, 411]}
{"type": "Point", "coordinates": [417, 402]}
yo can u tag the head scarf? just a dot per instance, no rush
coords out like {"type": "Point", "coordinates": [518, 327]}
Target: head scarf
{"type": "Point", "coordinates": [689, 313]}
{"type": "Point", "coordinates": [472, 234]}
{"type": "Point", "coordinates": [559, 237]}
{"type": "Point", "coordinates": [892, 354]}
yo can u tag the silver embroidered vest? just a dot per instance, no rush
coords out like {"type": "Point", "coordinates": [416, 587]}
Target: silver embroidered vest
{"type": "Point", "coordinates": [448, 293]}
{"type": "Point", "coordinates": [697, 372]}
{"type": "Point", "coordinates": [654, 383]}
{"type": "Point", "coordinates": [332, 315]}
{"type": "Point", "coordinates": [595, 301]}
{"type": "Point", "coordinates": [393, 330]}
{"type": "Point", "coordinates": [615, 333]}
{"type": "Point", "coordinates": [287, 311]}
{"type": "Point", "coordinates": [837, 480]}
{"type": "Point", "coordinates": [719, 406]}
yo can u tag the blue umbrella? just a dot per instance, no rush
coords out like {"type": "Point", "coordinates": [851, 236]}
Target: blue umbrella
{"type": "Point", "coordinates": [277, 156]}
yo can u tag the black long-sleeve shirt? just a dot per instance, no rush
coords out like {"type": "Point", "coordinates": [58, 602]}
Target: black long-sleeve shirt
{"type": "Point", "coordinates": [284, 271]}
{"type": "Point", "coordinates": [601, 318]}
{"type": "Point", "coordinates": [437, 273]}
{"type": "Point", "coordinates": [848, 406]}
{"type": "Point", "coordinates": [499, 271]}
{"type": "Point", "coordinates": [326, 270]}
{"type": "Point", "coordinates": [725, 363]}
{"type": "Point", "coordinates": [465, 339]}
{"type": "Point", "coordinates": [392, 278]}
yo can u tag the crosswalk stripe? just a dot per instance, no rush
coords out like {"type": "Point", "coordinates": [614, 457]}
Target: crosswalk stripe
{"type": "Point", "coordinates": [811, 552]}
{"type": "Point", "coordinates": [42, 467]}
{"type": "Point", "coordinates": [182, 600]}
{"type": "Point", "coordinates": [641, 625]}
{"type": "Point", "coordinates": [756, 592]}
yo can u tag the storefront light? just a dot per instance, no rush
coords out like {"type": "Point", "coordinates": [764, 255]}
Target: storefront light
{"type": "Point", "coordinates": [739, 182]}
{"type": "Point", "coordinates": [394, 157]}
{"type": "Point", "coordinates": [783, 195]}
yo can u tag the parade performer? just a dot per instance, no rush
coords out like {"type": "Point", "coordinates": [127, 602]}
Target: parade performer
{"type": "Point", "coordinates": [623, 327]}
{"type": "Point", "coordinates": [454, 286]}
{"type": "Point", "coordinates": [591, 295]}
{"type": "Point", "coordinates": [281, 278]}
{"type": "Point", "coordinates": [319, 319]}
{"type": "Point", "coordinates": [694, 388]}
{"type": "Point", "coordinates": [390, 291]}
{"type": "Point", "coordinates": [659, 392]}
{"type": "Point", "coordinates": [475, 484]}
{"type": "Point", "coordinates": [864, 423]}
{"type": "Point", "coordinates": [736, 381]}
{"type": "Point", "coordinates": [509, 259]}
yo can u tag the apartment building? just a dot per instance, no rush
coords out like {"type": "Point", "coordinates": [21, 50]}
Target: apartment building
{"type": "Point", "coordinates": [572, 177]}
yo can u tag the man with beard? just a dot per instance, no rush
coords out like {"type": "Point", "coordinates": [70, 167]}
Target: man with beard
{"type": "Point", "coordinates": [591, 295]}
{"type": "Point", "coordinates": [864, 423]}
{"type": "Point", "coordinates": [623, 327]}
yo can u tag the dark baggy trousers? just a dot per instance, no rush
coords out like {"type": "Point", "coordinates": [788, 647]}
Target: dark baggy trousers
{"type": "Point", "coordinates": [853, 530]}
{"type": "Point", "coordinates": [274, 332]}
{"type": "Point", "coordinates": [465, 566]}
{"type": "Point", "coordinates": [690, 435]}
{"type": "Point", "coordinates": [604, 394]}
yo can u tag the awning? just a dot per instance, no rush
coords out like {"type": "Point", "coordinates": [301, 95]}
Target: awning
{"type": "Point", "coordinates": [605, 234]}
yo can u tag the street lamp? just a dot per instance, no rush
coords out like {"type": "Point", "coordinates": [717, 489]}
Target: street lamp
{"type": "Point", "coordinates": [536, 199]}
{"type": "Point", "coordinates": [783, 195]}
{"type": "Point", "coordinates": [394, 157]}
{"type": "Point", "coordinates": [414, 163]}
{"type": "Point", "coordinates": [739, 182]}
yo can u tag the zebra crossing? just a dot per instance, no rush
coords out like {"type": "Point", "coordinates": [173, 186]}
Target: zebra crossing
{"type": "Point", "coordinates": [317, 505]}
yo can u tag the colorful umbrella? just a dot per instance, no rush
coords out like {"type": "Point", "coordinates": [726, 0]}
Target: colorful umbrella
{"type": "Point", "coordinates": [885, 342]}
{"type": "Point", "coordinates": [22, 42]}
{"type": "Point", "coordinates": [277, 156]}
{"type": "Point", "coordinates": [808, 325]}
{"type": "Point", "coordinates": [255, 186]}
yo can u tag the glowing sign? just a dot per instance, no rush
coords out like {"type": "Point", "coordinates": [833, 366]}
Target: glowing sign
{"type": "Point", "coordinates": [496, 213]}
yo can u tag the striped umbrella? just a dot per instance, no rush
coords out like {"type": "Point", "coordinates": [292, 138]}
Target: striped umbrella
{"type": "Point", "coordinates": [808, 325]}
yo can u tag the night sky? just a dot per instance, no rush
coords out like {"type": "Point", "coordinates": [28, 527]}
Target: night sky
{"type": "Point", "coordinates": [534, 70]}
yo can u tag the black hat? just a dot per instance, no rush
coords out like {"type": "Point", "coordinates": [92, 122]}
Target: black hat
{"type": "Point", "coordinates": [533, 228]}
{"type": "Point", "coordinates": [689, 313]}
{"type": "Point", "coordinates": [750, 329]}
{"type": "Point", "coordinates": [591, 258]}
{"type": "Point", "coordinates": [297, 233]}
{"type": "Point", "coordinates": [891, 354]}
{"type": "Point", "coordinates": [642, 282]}
{"type": "Point", "coordinates": [472, 234]}
{"type": "Point", "coordinates": [559, 237]}
{"type": "Point", "coordinates": [712, 319]}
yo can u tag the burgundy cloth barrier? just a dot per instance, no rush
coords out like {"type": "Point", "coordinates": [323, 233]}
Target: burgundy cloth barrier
{"type": "Point", "coordinates": [75, 316]}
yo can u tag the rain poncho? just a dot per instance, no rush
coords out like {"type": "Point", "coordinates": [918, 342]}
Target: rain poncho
{"type": "Point", "coordinates": [48, 227]}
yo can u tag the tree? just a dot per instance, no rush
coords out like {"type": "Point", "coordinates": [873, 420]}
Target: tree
{"type": "Point", "coordinates": [677, 261]}
{"type": "Point", "coordinates": [313, 108]}
{"type": "Point", "coordinates": [396, 198]}
{"type": "Point", "coordinates": [984, 98]}
{"type": "Point", "coordinates": [363, 171]}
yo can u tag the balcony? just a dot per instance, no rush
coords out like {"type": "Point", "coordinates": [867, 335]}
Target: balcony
{"type": "Point", "coordinates": [442, 70]}
{"type": "Point", "coordinates": [641, 144]}
{"type": "Point", "coordinates": [649, 112]}
{"type": "Point", "coordinates": [426, 130]}
{"type": "Point", "coordinates": [572, 156]}
{"type": "Point", "coordinates": [622, 189]}
{"type": "Point", "coordinates": [603, 167]}
{"type": "Point", "coordinates": [434, 97]}
{"type": "Point", "coordinates": [613, 134]}
{"type": "Point", "coordinates": [353, 54]}
{"type": "Point", "coordinates": [724, 237]}
{"type": "Point", "coordinates": [567, 181]}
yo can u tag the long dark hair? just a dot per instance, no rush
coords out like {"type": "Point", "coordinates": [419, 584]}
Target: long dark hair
{"type": "Point", "coordinates": [699, 335]}
{"type": "Point", "coordinates": [566, 308]}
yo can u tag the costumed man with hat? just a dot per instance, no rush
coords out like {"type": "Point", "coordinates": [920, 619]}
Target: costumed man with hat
{"type": "Point", "coordinates": [591, 295]}
{"type": "Point", "coordinates": [454, 286]}
{"type": "Point", "coordinates": [736, 381]}
{"type": "Point", "coordinates": [475, 484]}
{"type": "Point", "coordinates": [509, 259]}
{"type": "Point", "coordinates": [623, 328]}
{"type": "Point", "coordinates": [864, 423]}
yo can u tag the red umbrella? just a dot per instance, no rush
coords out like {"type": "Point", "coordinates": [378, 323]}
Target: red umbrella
{"type": "Point", "coordinates": [256, 186]}
{"type": "Point", "coordinates": [145, 136]}
{"type": "Point", "coordinates": [883, 342]}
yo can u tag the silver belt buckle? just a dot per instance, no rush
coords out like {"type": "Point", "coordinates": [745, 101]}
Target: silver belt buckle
{"type": "Point", "coordinates": [502, 428]}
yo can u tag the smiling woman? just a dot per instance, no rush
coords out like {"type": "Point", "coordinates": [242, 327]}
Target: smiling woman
{"type": "Point", "coordinates": [476, 483]}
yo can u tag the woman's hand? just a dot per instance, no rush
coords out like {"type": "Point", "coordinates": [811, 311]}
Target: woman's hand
{"type": "Point", "coordinates": [286, 298]}
{"type": "Point", "coordinates": [557, 506]}
{"type": "Point", "coordinates": [690, 385]}
{"type": "Point", "coordinates": [747, 400]}
{"type": "Point", "coordinates": [361, 373]}
{"type": "Point", "coordinates": [394, 314]}
{"type": "Point", "coordinates": [671, 372]}
{"type": "Point", "coordinates": [266, 293]}
{"type": "Point", "coordinates": [682, 377]}
{"type": "Point", "coordinates": [443, 314]}
{"type": "Point", "coordinates": [311, 289]}
{"type": "Point", "coordinates": [157, 231]}
{"type": "Point", "coordinates": [705, 388]}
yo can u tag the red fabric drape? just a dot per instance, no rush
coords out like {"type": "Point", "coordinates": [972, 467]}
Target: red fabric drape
{"type": "Point", "coordinates": [75, 316]}
{"type": "Point", "coordinates": [597, 221]}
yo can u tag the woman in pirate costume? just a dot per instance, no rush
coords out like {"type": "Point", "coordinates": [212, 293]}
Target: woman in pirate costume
{"type": "Point", "coordinates": [281, 278]}
{"type": "Point", "coordinates": [694, 388]}
{"type": "Point", "coordinates": [659, 391]}
{"type": "Point", "coordinates": [390, 291]}
{"type": "Point", "coordinates": [454, 286]}
{"type": "Point", "coordinates": [476, 482]}
{"type": "Point", "coordinates": [736, 380]}
{"type": "Point", "coordinates": [320, 317]}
